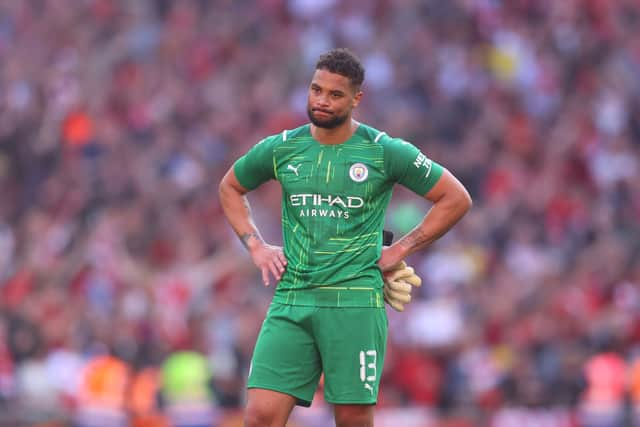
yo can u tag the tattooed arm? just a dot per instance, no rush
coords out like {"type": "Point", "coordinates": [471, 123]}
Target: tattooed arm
{"type": "Point", "coordinates": [246, 237]}
{"type": "Point", "coordinates": [268, 258]}
{"type": "Point", "coordinates": [450, 202]}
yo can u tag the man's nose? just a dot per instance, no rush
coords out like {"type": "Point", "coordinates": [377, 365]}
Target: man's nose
{"type": "Point", "coordinates": [322, 101]}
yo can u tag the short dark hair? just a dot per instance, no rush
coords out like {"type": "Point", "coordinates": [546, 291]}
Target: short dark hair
{"type": "Point", "coordinates": [344, 62]}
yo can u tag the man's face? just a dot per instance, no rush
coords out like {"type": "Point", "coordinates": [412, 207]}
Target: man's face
{"type": "Point", "coordinates": [331, 99]}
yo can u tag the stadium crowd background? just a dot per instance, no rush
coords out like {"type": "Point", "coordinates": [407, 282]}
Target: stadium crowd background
{"type": "Point", "coordinates": [118, 119]}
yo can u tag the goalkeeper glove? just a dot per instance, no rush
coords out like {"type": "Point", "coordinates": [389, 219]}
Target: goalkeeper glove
{"type": "Point", "coordinates": [398, 283]}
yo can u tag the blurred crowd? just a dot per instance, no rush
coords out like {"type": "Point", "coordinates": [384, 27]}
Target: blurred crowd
{"type": "Point", "coordinates": [118, 119]}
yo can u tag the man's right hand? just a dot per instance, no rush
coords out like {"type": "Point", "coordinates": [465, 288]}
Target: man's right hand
{"type": "Point", "coordinates": [269, 259]}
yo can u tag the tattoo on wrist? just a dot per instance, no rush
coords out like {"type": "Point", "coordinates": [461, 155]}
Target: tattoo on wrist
{"type": "Point", "coordinates": [246, 236]}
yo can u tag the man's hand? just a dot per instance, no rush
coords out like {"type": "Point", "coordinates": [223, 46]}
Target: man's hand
{"type": "Point", "coordinates": [390, 258]}
{"type": "Point", "coordinates": [398, 283]}
{"type": "Point", "coordinates": [269, 259]}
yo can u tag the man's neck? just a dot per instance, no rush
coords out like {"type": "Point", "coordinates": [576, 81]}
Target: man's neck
{"type": "Point", "coordinates": [336, 135]}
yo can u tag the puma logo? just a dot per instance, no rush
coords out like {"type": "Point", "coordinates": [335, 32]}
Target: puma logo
{"type": "Point", "coordinates": [293, 168]}
{"type": "Point", "coordinates": [368, 387]}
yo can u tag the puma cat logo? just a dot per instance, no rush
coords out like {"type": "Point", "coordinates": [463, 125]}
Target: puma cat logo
{"type": "Point", "coordinates": [368, 387]}
{"type": "Point", "coordinates": [293, 168]}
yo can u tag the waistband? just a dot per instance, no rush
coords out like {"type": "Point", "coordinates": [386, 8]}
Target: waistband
{"type": "Point", "coordinates": [331, 296]}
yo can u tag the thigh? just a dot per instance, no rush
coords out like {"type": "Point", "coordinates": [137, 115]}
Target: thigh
{"type": "Point", "coordinates": [353, 415]}
{"type": "Point", "coordinates": [352, 343]}
{"type": "Point", "coordinates": [286, 358]}
{"type": "Point", "coordinates": [268, 407]}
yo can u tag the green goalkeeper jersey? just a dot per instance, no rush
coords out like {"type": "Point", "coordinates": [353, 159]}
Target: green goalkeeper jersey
{"type": "Point", "coordinates": [334, 199]}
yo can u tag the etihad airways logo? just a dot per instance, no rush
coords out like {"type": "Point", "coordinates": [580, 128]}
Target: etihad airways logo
{"type": "Point", "coordinates": [325, 206]}
{"type": "Point", "coordinates": [319, 200]}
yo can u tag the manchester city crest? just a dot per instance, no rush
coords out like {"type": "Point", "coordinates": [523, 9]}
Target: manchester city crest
{"type": "Point", "coordinates": [358, 172]}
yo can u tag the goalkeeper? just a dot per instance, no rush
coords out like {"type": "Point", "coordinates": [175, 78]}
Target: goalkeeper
{"type": "Point", "coordinates": [327, 314]}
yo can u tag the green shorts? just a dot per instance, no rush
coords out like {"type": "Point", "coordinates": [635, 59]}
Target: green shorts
{"type": "Point", "coordinates": [298, 343]}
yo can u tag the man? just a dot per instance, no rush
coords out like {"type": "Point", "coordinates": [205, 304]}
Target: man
{"type": "Point", "coordinates": [327, 314]}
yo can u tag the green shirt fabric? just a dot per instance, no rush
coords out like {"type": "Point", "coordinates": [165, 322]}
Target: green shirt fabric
{"type": "Point", "coordinates": [334, 199]}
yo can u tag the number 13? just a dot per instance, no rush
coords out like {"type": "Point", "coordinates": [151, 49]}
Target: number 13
{"type": "Point", "coordinates": [365, 356]}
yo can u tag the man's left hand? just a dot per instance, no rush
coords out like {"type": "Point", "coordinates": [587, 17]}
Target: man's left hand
{"type": "Point", "coordinates": [398, 283]}
{"type": "Point", "coordinates": [390, 258]}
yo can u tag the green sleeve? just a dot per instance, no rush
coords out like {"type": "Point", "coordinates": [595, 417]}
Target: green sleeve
{"type": "Point", "coordinates": [257, 165]}
{"type": "Point", "coordinates": [408, 166]}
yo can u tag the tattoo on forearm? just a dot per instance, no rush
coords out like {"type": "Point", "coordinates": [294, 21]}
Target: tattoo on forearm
{"type": "Point", "coordinates": [246, 236]}
{"type": "Point", "coordinates": [415, 239]}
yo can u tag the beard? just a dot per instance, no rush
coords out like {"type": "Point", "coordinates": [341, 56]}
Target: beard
{"type": "Point", "coordinates": [331, 122]}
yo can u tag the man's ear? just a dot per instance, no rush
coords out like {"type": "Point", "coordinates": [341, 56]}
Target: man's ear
{"type": "Point", "coordinates": [356, 99]}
